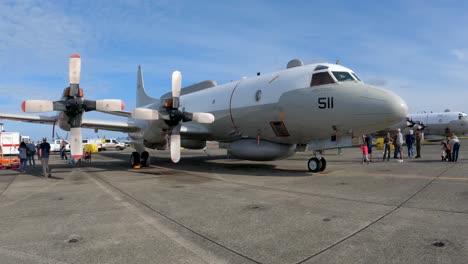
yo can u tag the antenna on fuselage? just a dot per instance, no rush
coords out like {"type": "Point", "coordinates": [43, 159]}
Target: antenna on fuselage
{"type": "Point", "coordinates": [337, 62]}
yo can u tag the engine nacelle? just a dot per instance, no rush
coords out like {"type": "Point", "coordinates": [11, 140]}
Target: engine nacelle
{"type": "Point", "coordinates": [251, 149]}
{"type": "Point", "coordinates": [192, 144]}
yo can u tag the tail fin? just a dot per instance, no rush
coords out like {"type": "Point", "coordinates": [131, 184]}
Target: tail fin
{"type": "Point", "coordinates": [142, 98]}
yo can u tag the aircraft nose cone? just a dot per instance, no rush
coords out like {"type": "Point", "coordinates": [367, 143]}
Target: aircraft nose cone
{"type": "Point", "coordinates": [389, 107]}
{"type": "Point", "coordinates": [398, 109]}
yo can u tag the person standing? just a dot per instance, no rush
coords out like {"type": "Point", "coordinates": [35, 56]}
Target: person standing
{"type": "Point", "coordinates": [365, 150]}
{"type": "Point", "coordinates": [23, 156]}
{"type": "Point", "coordinates": [44, 152]}
{"type": "Point", "coordinates": [410, 139]}
{"type": "Point", "coordinates": [455, 147]}
{"type": "Point", "coordinates": [31, 152]}
{"type": "Point", "coordinates": [369, 146]}
{"type": "Point", "coordinates": [63, 147]}
{"type": "Point", "coordinates": [387, 147]}
{"type": "Point", "coordinates": [419, 138]}
{"type": "Point", "coordinates": [38, 144]}
{"type": "Point", "coordinates": [398, 144]}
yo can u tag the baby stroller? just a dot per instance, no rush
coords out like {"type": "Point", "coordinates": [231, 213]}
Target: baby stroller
{"type": "Point", "coordinates": [87, 156]}
{"type": "Point", "coordinates": [446, 152]}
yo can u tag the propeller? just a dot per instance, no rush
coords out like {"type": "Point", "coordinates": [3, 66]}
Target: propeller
{"type": "Point", "coordinates": [172, 116]}
{"type": "Point", "coordinates": [73, 105]}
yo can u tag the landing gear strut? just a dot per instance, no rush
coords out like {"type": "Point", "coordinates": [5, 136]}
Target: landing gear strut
{"type": "Point", "coordinates": [317, 163]}
{"type": "Point", "coordinates": [135, 159]}
{"type": "Point", "coordinates": [143, 160]}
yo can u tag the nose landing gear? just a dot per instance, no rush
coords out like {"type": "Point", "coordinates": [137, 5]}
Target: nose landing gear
{"type": "Point", "coordinates": [317, 163]}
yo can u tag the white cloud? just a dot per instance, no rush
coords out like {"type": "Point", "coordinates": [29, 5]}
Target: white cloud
{"type": "Point", "coordinates": [460, 54]}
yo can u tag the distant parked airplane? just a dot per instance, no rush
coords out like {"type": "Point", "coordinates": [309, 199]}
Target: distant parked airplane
{"type": "Point", "coordinates": [437, 124]}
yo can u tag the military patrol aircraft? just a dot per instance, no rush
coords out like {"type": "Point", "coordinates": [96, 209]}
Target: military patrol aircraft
{"type": "Point", "coordinates": [435, 124]}
{"type": "Point", "coordinates": [265, 117]}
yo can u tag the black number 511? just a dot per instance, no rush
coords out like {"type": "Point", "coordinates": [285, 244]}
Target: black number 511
{"type": "Point", "coordinates": [325, 102]}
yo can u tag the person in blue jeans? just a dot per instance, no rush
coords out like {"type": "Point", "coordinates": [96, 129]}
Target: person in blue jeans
{"type": "Point", "coordinates": [22, 156]}
{"type": "Point", "coordinates": [410, 139]}
{"type": "Point", "coordinates": [455, 144]}
{"type": "Point", "coordinates": [387, 147]}
{"type": "Point", "coordinates": [31, 152]}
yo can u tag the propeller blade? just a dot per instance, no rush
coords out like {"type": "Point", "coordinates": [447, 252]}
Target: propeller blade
{"type": "Point", "coordinates": [176, 88]}
{"type": "Point", "coordinates": [175, 144]}
{"type": "Point", "coordinates": [206, 118]}
{"type": "Point", "coordinates": [109, 105]}
{"type": "Point", "coordinates": [76, 148]}
{"type": "Point", "coordinates": [35, 106]}
{"type": "Point", "coordinates": [145, 114]}
{"type": "Point", "coordinates": [74, 72]}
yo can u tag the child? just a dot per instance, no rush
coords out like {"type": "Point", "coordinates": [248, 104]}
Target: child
{"type": "Point", "coordinates": [446, 153]}
{"type": "Point", "coordinates": [365, 154]}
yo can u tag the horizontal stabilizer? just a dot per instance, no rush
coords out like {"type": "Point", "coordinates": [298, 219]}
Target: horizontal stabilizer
{"type": "Point", "coordinates": [193, 88]}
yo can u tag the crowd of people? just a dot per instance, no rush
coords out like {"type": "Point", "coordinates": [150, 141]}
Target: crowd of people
{"type": "Point", "coordinates": [450, 146]}
{"type": "Point", "coordinates": [27, 151]}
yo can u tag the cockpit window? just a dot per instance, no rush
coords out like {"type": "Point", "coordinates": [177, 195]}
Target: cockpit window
{"type": "Point", "coordinates": [320, 67]}
{"type": "Point", "coordinates": [343, 76]}
{"type": "Point", "coordinates": [462, 116]}
{"type": "Point", "coordinates": [355, 76]}
{"type": "Point", "coordinates": [321, 78]}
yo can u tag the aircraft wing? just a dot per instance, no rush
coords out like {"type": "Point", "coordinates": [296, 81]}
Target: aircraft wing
{"type": "Point", "coordinates": [111, 125]}
{"type": "Point", "coordinates": [120, 113]}
{"type": "Point", "coordinates": [38, 119]}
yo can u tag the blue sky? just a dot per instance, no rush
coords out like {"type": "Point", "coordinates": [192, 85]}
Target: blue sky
{"type": "Point", "coordinates": [419, 49]}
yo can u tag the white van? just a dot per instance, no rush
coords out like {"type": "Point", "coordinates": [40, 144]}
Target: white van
{"type": "Point", "coordinates": [57, 143]}
{"type": "Point", "coordinates": [112, 143]}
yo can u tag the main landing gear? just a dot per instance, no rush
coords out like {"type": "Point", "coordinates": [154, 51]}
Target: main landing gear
{"type": "Point", "coordinates": [317, 163]}
{"type": "Point", "coordinates": [143, 160]}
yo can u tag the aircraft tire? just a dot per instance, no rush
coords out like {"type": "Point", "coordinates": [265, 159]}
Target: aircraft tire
{"type": "Point", "coordinates": [323, 163]}
{"type": "Point", "coordinates": [145, 159]}
{"type": "Point", "coordinates": [135, 159]}
{"type": "Point", "coordinates": [314, 164]}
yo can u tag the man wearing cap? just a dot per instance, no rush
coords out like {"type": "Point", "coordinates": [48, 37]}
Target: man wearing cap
{"type": "Point", "coordinates": [44, 151]}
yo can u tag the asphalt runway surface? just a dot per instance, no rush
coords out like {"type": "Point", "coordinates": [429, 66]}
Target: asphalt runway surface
{"type": "Point", "coordinates": [211, 209]}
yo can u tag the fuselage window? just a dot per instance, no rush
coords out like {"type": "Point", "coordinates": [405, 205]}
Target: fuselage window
{"type": "Point", "coordinates": [343, 76]}
{"type": "Point", "coordinates": [321, 78]}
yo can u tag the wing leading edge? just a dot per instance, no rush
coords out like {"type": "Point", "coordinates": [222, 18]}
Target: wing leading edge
{"type": "Point", "coordinates": [37, 119]}
{"type": "Point", "coordinates": [111, 125]}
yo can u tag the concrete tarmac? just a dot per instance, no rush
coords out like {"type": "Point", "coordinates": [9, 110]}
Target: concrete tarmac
{"type": "Point", "coordinates": [210, 209]}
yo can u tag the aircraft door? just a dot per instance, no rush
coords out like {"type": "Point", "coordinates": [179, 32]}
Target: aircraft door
{"type": "Point", "coordinates": [253, 106]}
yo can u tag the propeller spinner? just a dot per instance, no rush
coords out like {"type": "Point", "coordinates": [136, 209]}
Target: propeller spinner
{"type": "Point", "coordinates": [73, 105]}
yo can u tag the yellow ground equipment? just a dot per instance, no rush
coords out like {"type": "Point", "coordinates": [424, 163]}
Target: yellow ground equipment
{"type": "Point", "coordinates": [91, 148]}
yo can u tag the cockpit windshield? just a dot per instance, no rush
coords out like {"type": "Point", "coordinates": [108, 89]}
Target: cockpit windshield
{"type": "Point", "coordinates": [462, 116]}
{"type": "Point", "coordinates": [320, 78]}
{"type": "Point", "coordinates": [343, 76]}
{"type": "Point", "coordinates": [355, 76]}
